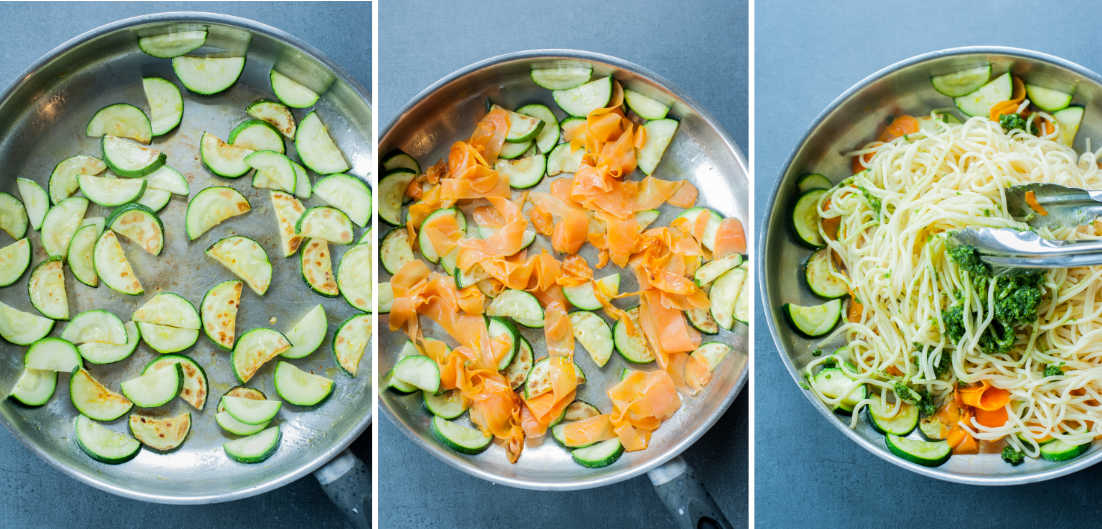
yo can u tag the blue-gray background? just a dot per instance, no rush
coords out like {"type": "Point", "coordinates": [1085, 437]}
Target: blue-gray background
{"type": "Point", "coordinates": [807, 473]}
{"type": "Point", "coordinates": [34, 494]}
{"type": "Point", "coordinates": [701, 48]}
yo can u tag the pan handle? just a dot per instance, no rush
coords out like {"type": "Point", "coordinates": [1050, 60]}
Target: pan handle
{"type": "Point", "coordinates": [347, 481]}
{"type": "Point", "coordinates": [685, 497]}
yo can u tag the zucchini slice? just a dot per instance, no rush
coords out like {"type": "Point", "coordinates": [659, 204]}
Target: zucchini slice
{"type": "Point", "coordinates": [219, 312]}
{"type": "Point", "coordinates": [522, 128]}
{"type": "Point", "coordinates": [154, 388]}
{"type": "Point", "coordinates": [519, 306]}
{"type": "Point", "coordinates": [95, 326]}
{"type": "Point", "coordinates": [398, 159]}
{"type": "Point", "coordinates": [502, 328]}
{"type": "Point", "coordinates": [303, 189]}
{"type": "Point", "coordinates": [154, 199]}
{"type": "Point", "coordinates": [246, 259]}
{"type": "Point", "coordinates": [446, 405]}
{"type": "Point", "coordinates": [103, 444]}
{"type": "Point", "coordinates": [584, 296]}
{"type": "Point", "coordinates": [594, 334]}
{"type": "Point", "coordinates": [712, 354]}
{"type": "Point", "coordinates": [725, 290]}
{"type": "Point", "coordinates": [354, 277]}
{"type": "Point", "coordinates": [256, 135]}
{"type": "Point", "coordinates": [120, 119]}
{"type": "Point", "coordinates": [539, 381]}
{"type": "Point", "coordinates": [140, 225]}
{"type": "Point", "coordinates": [583, 99]}
{"type": "Point", "coordinates": [112, 267]}
{"type": "Point", "coordinates": [395, 250]}
{"type": "Point", "coordinates": [163, 434]}
{"type": "Point", "coordinates": [462, 439]}
{"type": "Point", "coordinates": [169, 45]}
{"type": "Point", "coordinates": [254, 448]}
{"type": "Point", "coordinates": [1068, 120]}
{"type": "Point", "coordinates": [701, 320]}
{"type": "Point", "coordinates": [632, 347]}
{"type": "Point", "coordinates": [52, 354]}
{"type": "Point", "coordinates": [105, 353]}
{"type": "Point", "coordinates": [392, 194]}
{"type": "Point", "coordinates": [660, 133]}
{"type": "Point", "coordinates": [291, 92]}
{"type": "Point", "coordinates": [211, 206]}
{"type": "Point", "coordinates": [128, 158]}
{"type": "Point", "coordinates": [814, 320]}
{"type": "Point", "coordinates": [811, 181]}
{"type": "Point", "coordinates": [325, 223]}
{"type": "Point", "coordinates": [1047, 99]}
{"type": "Point", "coordinates": [254, 349]}
{"type": "Point", "coordinates": [111, 192]}
{"type": "Point", "coordinates": [316, 147]}
{"type": "Point", "coordinates": [961, 83]}
{"type": "Point", "coordinates": [273, 171]}
{"type": "Point", "coordinates": [165, 339]}
{"type": "Point", "coordinates": [564, 159]}
{"type": "Point", "coordinates": [805, 218]}
{"type": "Point", "coordinates": [93, 400]}
{"type": "Point", "coordinates": [644, 106]}
{"type": "Point", "coordinates": [168, 179]}
{"type": "Point", "coordinates": [517, 371]}
{"type": "Point", "coordinates": [221, 158]}
{"type": "Point", "coordinates": [424, 242]}
{"type": "Point", "coordinates": [709, 239]}
{"type": "Point", "coordinates": [510, 151]}
{"type": "Point", "coordinates": [386, 297]}
{"type": "Point", "coordinates": [63, 180]}
{"type": "Point", "coordinates": [926, 453]}
{"type": "Point", "coordinates": [308, 333]}
{"type": "Point", "coordinates": [821, 276]}
{"type": "Point", "coordinates": [549, 133]}
{"type": "Point", "coordinates": [231, 425]}
{"type": "Point", "coordinates": [166, 106]}
{"type": "Point", "coordinates": [23, 328]}
{"type": "Point", "coordinates": [80, 255]}
{"type": "Point", "coordinates": [523, 173]}
{"type": "Point", "coordinates": [978, 102]}
{"type": "Point", "coordinates": [598, 455]}
{"type": "Point", "coordinates": [168, 308]}
{"type": "Point", "coordinates": [742, 302]}
{"type": "Point", "coordinates": [299, 387]}
{"type": "Point", "coordinates": [34, 387]}
{"type": "Point", "coordinates": [902, 422]}
{"type": "Point", "coordinates": [15, 258]}
{"type": "Point", "coordinates": [348, 194]}
{"type": "Point", "coordinates": [418, 371]}
{"type": "Point", "coordinates": [46, 289]}
{"type": "Point", "coordinates": [208, 75]}
{"type": "Point", "coordinates": [13, 216]}
{"type": "Point", "coordinates": [568, 124]}
{"type": "Point", "coordinates": [834, 383]}
{"type": "Point", "coordinates": [274, 114]}
{"type": "Point", "coordinates": [35, 201]}
{"type": "Point", "coordinates": [194, 388]}
{"type": "Point", "coordinates": [561, 76]}
{"type": "Point", "coordinates": [250, 411]}
{"type": "Point", "coordinates": [317, 268]}
{"type": "Point", "coordinates": [711, 270]}
{"type": "Point", "coordinates": [351, 342]}
{"type": "Point", "coordinates": [1059, 450]}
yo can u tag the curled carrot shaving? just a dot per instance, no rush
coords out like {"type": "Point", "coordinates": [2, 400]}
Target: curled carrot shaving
{"type": "Point", "coordinates": [991, 419]}
{"type": "Point", "coordinates": [984, 396]}
{"type": "Point", "coordinates": [1031, 201]}
{"type": "Point", "coordinates": [1018, 92]}
{"type": "Point", "coordinates": [899, 127]}
{"type": "Point", "coordinates": [730, 238]}
{"type": "Point", "coordinates": [588, 431]}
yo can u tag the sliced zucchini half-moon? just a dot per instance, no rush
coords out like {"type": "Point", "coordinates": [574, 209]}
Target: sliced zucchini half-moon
{"type": "Point", "coordinates": [632, 347]}
{"type": "Point", "coordinates": [326, 223]}
{"type": "Point", "coordinates": [61, 223]}
{"type": "Point", "coordinates": [15, 258]}
{"type": "Point", "coordinates": [594, 334]}
{"type": "Point", "coordinates": [254, 349]}
{"type": "Point", "coordinates": [95, 326]}
{"type": "Point", "coordinates": [154, 199]}
{"type": "Point", "coordinates": [79, 255]}
{"type": "Point", "coordinates": [93, 400]}
{"type": "Point", "coordinates": [272, 170]}
{"type": "Point", "coordinates": [168, 308]}
{"type": "Point", "coordinates": [256, 135]}
{"type": "Point", "coordinates": [722, 296]}
{"type": "Point", "coordinates": [23, 328]}
{"type": "Point", "coordinates": [246, 259]}
{"type": "Point", "coordinates": [175, 44]}
{"type": "Point", "coordinates": [316, 147]}
{"type": "Point", "coordinates": [110, 192]}
{"type": "Point", "coordinates": [274, 114]}
{"type": "Point", "coordinates": [350, 342]}
{"type": "Point", "coordinates": [52, 354]}
{"type": "Point", "coordinates": [46, 289]}
{"type": "Point", "coordinates": [166, 106]}
{"type": "Point", "coordinates": [250, 411]}
{"type": "Point", "coordinates": [303, 189]}
{"type": "Point", "coordinates": [63, 180]}
{"type": "Point", "coordinates": [392, 194]}
{"type": "Point", "coordinates": [231, 425]}
{"type": "Point", "coordinates": [165, 339]}
{"type": "Point", "coordinates": [211, 206]}
{"type": "Point", "coordinates": [103, 444]}
{"type": "Point", "coordinates": [163, 434]}
{"type": "Point", "coordinates": [299, 387]}
{"type": "Point", "coordinates": [519, 306]}
{"type": "Point", "coordinates": [308, 333]}
{"type": "Point", "coordinates": [153, 388]}
{"type": "Point", "coordinates": [354, 276]}
{"type": "Point", "coordinates": [348, 194]}
{"type": "Point", "coordinates": [219, 312]}
{"type": "Point", "coordinates": [539, 378]}
{"type": "Point", "coordinates": [287, 211]}
{"type": "Point", "coordinates": [291, 92]}
{"type": "Point", "coordinates": [140, 225]}
{"type": "Point", "coordinates": [194, 389]}
{"type": "Point", "coordinates": [34, 387]}
{"type": "Point", "coordinates": [395, 250]}
{"type": "Point", "coordinates": [35, 200]}
{"type": "Point", "coordinates": [105, 353]}
{"type": "Point", "coordinates": [254, 448]}
{"type": "Point", "coordinates": [317, 268]}
{"type": "Point", "coordinates": [128, 158]}
{"type": "Point", "coordinates": [112, 266]}
{"type": "Point", "coordinates": [660, 133]}
{"type": "Point", "coordinates": [120, 119]}
{"type": "Point", "coordinates": [208, 75]}
{"type": "Point", "coordinates": [221, 158]}
{"type": "Point", "coordinates": [168, 179]}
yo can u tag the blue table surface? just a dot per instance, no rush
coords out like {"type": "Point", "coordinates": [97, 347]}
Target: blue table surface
{"type": "Point", "coordinates": [701, 48]}
{"type": "Point", "coordinates": [807, 473]}
{"type": "Point", "coordinates": [34, 494]}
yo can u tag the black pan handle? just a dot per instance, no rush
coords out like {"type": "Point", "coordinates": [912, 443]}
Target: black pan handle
{"type": "Point", "coordinates": [685, 497]}
{"type": "Point", "coordinates": [347, 481]}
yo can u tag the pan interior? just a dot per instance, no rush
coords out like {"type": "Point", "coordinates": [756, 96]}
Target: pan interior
{"type": "Point", "coordinates": [42, 121]}
{"type": "Point", "coordinates": [699, 153]}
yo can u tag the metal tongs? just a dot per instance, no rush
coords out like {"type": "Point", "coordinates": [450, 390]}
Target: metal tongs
{"type": "Point", "coordinates": [1063, 207]}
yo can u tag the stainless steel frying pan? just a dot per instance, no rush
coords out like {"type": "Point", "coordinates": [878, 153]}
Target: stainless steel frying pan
{"type": "Point", "coordinates": [852, 120]}
{"type": "Point", "coordinates": [42, 120]}
{"type": "Point", "coordinates": [702, 153]}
